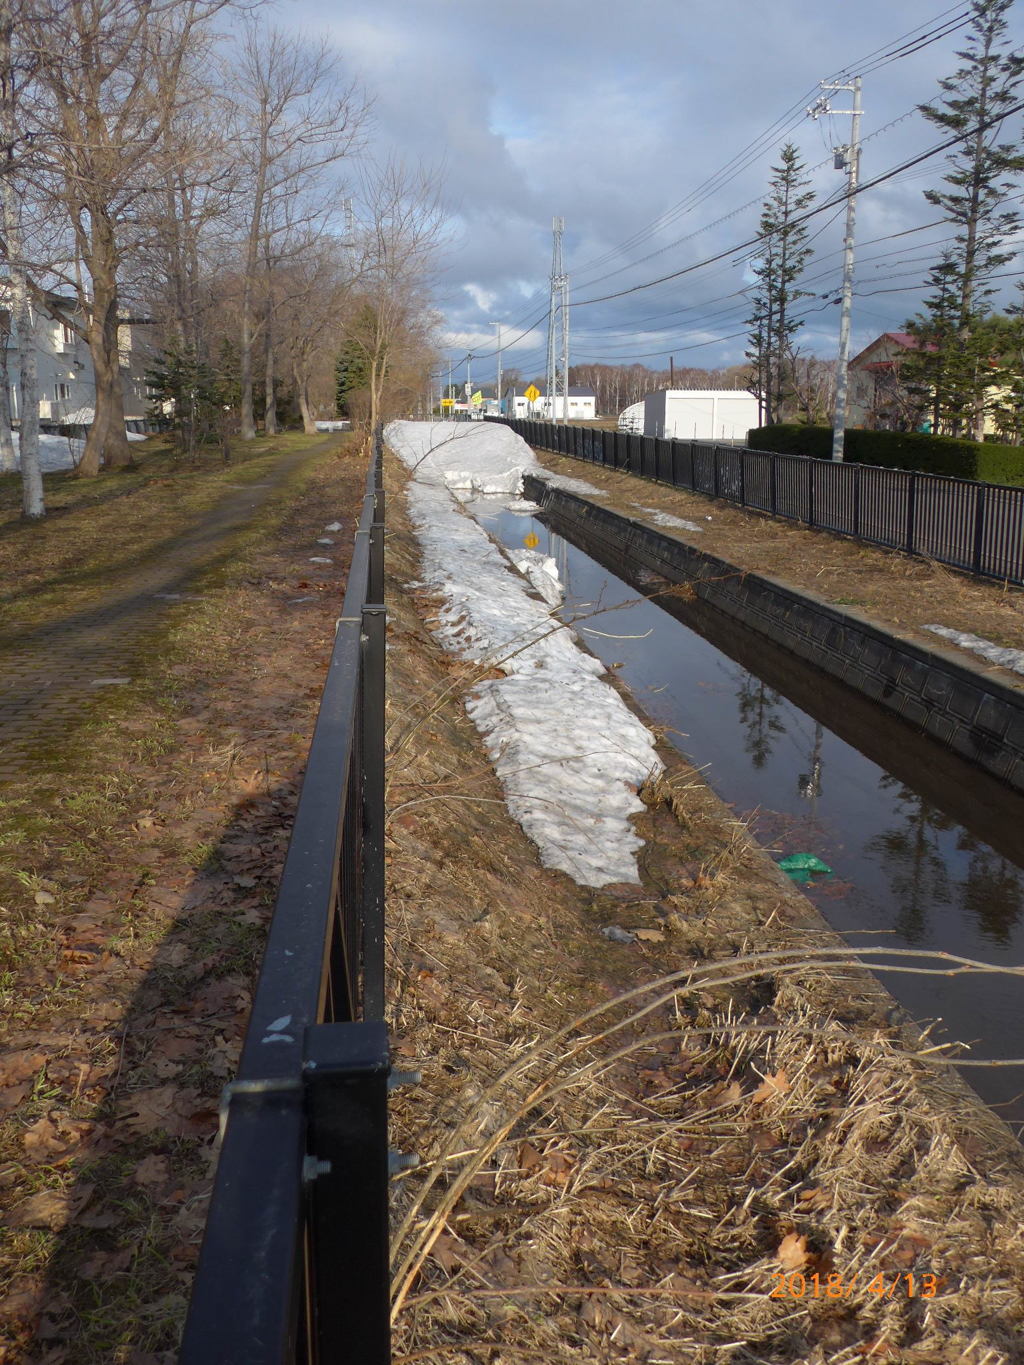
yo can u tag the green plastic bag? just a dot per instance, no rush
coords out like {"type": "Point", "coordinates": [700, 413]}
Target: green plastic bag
{"type": "Point", "coordinates": [799, 866]}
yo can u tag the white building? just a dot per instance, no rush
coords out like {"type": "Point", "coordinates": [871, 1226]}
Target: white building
{"type": "Point", "coordinates": [67, 390]}
{"type": "Point", "coordinates": [700, 414]}
{"type": "Point", "coordinates": [582, 405]}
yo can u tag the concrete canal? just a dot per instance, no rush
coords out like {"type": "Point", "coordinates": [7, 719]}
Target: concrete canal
{"type": "Point", "coordinates": [926, 850]}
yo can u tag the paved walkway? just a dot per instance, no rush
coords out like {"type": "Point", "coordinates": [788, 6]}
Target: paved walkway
{"type": "Point", "coordinates": [47, 675]}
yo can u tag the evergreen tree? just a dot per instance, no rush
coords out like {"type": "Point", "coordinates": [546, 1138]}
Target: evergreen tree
{"type": "Point", "coordinates": [953, 332]}
{"type": "Point", "coordinates": [783, 256]}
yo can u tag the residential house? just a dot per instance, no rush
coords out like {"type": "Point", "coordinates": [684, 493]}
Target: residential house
{"type": "Point", "coordinates": [877, 396]}
{"type": "Point", "coordinates": [67, 390]}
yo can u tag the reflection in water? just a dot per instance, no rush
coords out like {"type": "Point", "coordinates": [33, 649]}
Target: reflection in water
{"type": "Point", "coordinates": [912, 856]}
{"type": "Point", "coordinates": [759, 717]}
{"type": "Point", "coordinates": [992, 893]}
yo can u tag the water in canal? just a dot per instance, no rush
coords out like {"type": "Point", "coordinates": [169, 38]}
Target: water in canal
{"type": "Point", "coordinates": [927, 852]}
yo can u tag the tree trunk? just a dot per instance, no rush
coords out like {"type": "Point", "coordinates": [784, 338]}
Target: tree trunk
{"type": "Point", "coordinates": [269, 400]}
{"type": "Point", "coordinates": [107, 442]}
{"type": "Point", "coordinates": [8, 458]}
{"type": "Point", "coordinates": [302, 389]}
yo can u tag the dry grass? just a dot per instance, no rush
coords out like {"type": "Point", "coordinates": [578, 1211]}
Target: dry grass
{"type": "Point", "coordinates": [618, 1142]}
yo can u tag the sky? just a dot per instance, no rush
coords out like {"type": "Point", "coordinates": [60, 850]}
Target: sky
{"type": "Point", "coordinates": [652, 129]}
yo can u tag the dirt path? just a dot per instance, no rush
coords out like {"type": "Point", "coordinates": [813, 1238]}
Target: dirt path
{"type": "Point", "coordinates": [48, 673]}
{"type": "Point", "coordinates": [139, 859]}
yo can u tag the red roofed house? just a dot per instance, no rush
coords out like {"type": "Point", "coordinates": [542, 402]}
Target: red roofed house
{"type": "Point", "coordinates": [877, 397]}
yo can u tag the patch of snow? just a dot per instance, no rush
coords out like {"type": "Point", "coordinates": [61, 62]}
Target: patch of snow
{"type": "Point", "coordinates": [568, 751]}
{"type": "Point", "coordinates": [667, 519]}
{"type": "Point", "coordinates": [542, 571]}
{"type": "Point", "coordinates": [325, 540]}
{"type": "Point", "coordinates": [996, 654]}
{"type": "Point", "coordinates": [334, 526]}
{"type": "Point", "coordinates": [319, 559]}
{"type": "Point", "coordinates": [569, 485]}
{"type": "Point", "coordinates": [522, 505]}
{"type": "Point", "coordinates": [59, 452]}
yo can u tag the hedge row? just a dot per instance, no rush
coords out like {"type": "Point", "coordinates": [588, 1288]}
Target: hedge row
{"type": "Point", "coordinates": [988, 462]}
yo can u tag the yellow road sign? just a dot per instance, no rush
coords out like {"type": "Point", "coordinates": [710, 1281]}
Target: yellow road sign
{"type": "Point", "coordinates": [447, 402]}
{"type": "Point", "coordinates": [530, 541]}
{"type": "Point", "coordinates": [532, 393]}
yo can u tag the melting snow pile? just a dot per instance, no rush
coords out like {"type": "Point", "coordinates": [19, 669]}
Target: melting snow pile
{"type": "Point", "coordinates": [996, 654]}
{"type": "Point", "coordinates": [59, 452]}
{"type": "Point", "coordinates": [667, 519]}
{"type": "Point", "coordinates": [569, 753]}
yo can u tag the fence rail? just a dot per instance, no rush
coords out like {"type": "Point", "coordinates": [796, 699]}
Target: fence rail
{"type": "Point", "coordinates": [294, 1264]}
{"type": "Point", "coordinates": [978, 527]}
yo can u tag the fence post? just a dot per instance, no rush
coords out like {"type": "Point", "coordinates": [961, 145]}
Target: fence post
{"type": "Point", "coordinates": [856, 499]}
{"type": "Point", "coordinates": [911, 510]}
{"type": "Point", "coordinates": [979, 526]}
{"type": "Point", "coordinates": [346, 1082]}
{"type": "Point", "coordinates": [811, 466]}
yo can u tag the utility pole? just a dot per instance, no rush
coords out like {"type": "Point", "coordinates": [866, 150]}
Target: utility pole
{"type": "Point", "coordinates": [848, 159]}
{"type": "Point", "coordinates": [450, 394]}
{"type": "Point", "coordinates": [498, 382]}
{"type": "Point", "coordinates": [558, 327]}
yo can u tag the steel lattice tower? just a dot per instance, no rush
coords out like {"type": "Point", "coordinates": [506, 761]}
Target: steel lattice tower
{"type": "Point", "coordinates": [557, 378]}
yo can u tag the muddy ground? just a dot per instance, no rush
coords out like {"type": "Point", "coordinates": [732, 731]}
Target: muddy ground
{"type": "Point", "coordinates": [718, 1142]}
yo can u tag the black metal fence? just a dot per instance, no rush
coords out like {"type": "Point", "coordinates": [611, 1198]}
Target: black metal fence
{"type": "Point", "coordinates": [294, 1264]}
{"type": "Point", "coordinates": [974, 526]}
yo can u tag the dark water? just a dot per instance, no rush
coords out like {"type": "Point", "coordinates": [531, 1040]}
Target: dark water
{"type": "Point", "coordinates": [927, 852]}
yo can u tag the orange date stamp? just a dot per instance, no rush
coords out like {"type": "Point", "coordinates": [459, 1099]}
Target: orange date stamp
{"type": "Point", "coordinates": [838, 1286]}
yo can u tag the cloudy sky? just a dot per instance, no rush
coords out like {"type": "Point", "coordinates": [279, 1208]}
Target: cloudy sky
{"type": "Point", "coordinates": [651, 128]}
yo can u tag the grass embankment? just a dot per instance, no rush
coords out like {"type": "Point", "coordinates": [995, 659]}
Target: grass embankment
{"type": "Point", "coordinates": [139, 854]}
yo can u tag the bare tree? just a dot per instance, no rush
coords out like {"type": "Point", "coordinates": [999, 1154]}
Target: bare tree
{"type": "Point", "coordinates": [109, 87]}
{"type": "Point", "coordinates": [292, 120]}
{"type": "Point", "coordinates": [20, 312]}
{"type": "Point", "coordinates": [400, 245]}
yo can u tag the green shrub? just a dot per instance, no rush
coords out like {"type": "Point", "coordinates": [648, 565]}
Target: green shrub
{"type": "Point", "coordinates": [987, 461]}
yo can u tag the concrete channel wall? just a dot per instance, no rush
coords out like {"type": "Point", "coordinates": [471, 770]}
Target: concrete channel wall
{"type": "Point", "coordinates": [959, 706]}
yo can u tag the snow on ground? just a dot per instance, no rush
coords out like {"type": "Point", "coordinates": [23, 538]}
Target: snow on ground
{"type": "Point", "coordinates": [667, 519]}
{"type": "Point", "coordinates": [542, 571]}
{"type": "Point", "coordinates": [996, 654]}
{"type": "Point", "coordinates": [60, 452]}
{"type": "Point", "coordinates": [568, 485]}
{"type": "Point", "coordinates": [568, 751]}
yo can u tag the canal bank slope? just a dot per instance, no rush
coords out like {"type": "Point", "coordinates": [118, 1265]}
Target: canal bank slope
{"type": "Point", "coordinates": [626, 1163]}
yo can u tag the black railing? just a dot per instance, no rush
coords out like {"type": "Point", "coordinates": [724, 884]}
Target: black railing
{"type": "Point", "coordinates": [294, 1264]}
{"type": "Point", "coordinates": [978, 527]}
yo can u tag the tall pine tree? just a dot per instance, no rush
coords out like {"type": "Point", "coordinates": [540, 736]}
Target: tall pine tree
{"type": "Point", "coordinates": [777, 269]}
{"type": "Point", "coordinates": [953, 333]}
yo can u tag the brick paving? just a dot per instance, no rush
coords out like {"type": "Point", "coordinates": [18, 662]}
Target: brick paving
{"type": "Point", "coordinates": [50, 674]}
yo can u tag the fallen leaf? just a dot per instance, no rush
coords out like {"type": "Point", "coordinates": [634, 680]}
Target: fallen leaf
{"type": "Point", "coordinates": [152, 1170]}
{"type": "Point", "coordinates": [792, 1252]}
{"type": "Point", "coordinates": [649, 935]}
{"type": "Point", "coordinates": [775, 1083]}
{"type": "Point", "coordinates": [53, 1209]}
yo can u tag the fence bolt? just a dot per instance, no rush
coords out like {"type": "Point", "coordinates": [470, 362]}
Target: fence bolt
{"type": "Point", "coordinates": [312, 1166]}
{"type": "Point", "coordinates": [398, 1078]}
{"type": "Point", "coordinates": [401, 1161]}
